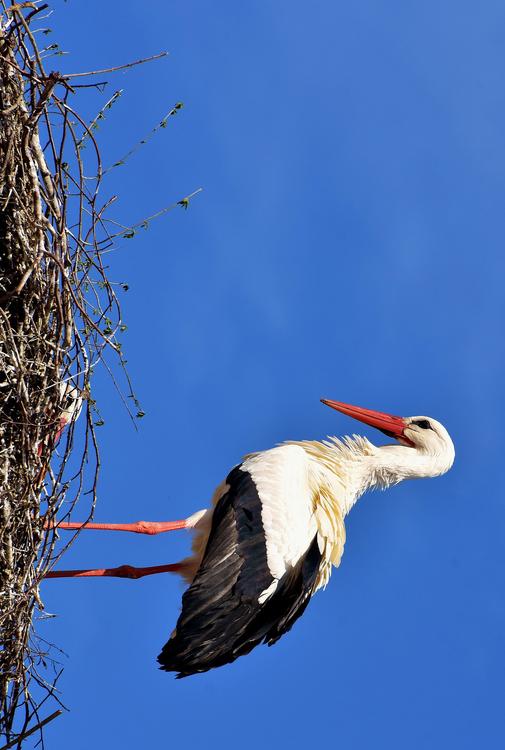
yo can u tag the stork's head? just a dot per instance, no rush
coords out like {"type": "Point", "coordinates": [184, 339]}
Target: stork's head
{"type": "Point", "coordinates": [425, 435]}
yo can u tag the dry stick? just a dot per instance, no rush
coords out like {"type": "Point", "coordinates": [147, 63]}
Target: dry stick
{"type": "Point", "coordinates": [19, 287]}
{"type": "Point", "coordinates": [78, 305]}
{"type": "Point", "coordinates": [118, 67]}
{"type": "Point", "coordinates": [32, 730]}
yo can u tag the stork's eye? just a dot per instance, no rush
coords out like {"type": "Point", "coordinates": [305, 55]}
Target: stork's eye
{"type": "Point", "coordinates": [423, 423]}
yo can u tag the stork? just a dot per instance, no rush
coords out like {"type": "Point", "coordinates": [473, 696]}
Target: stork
{"type": "Point", "coordinates": [274, 531]}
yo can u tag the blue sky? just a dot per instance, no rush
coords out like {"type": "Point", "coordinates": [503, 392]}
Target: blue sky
{"type": "Point", "coordinates": [348, 244]}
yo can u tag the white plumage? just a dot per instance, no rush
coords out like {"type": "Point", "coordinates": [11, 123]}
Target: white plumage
{"type": "Point", "coordinates": [282, 479]}
{"type": "Point", "coordinates": [308, 487]}
{"type": "Point", "coordinates": [274, 531]}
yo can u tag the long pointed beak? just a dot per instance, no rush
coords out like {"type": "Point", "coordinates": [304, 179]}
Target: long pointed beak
{"type": "Point", "coordinates": [392, 425]}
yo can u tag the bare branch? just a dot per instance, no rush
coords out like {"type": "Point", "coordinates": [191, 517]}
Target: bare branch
{"type": "Point", "coordinates": [31, 731]}
{"type": "Point", "coordinates": [59, 317]}
{"type": "Point", "coordinates": [118, 67]}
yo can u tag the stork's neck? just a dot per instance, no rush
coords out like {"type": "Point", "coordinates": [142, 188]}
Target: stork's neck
{"type": "Point", "coordinates": [354, 465]}
{"type": "Point", "coordinates": [378, 470]}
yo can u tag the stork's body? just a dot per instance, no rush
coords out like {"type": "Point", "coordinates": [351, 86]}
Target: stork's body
{"type": "Point", "coordinates": [276, 528]}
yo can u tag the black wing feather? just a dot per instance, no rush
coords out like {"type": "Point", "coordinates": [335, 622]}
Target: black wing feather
{"type": "Point", "coordinates": [221, 617]}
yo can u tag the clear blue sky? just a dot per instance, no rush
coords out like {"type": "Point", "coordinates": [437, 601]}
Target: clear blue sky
{"type": "Point", "coordinates": [349, 244]}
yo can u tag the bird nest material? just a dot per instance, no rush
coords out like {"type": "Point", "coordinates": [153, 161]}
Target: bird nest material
{"type": "Point", "coordinates": [59, 317]}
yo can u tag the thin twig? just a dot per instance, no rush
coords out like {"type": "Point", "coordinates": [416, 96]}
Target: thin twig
{"type": "Point", "coordinates": [34, 729]}
{"type": "Point", "coordinates": [118, 67]}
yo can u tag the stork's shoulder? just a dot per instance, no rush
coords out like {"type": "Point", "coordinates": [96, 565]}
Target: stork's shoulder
{"type": "Point", "coordinates": [287, 456]}
{"type": "Point", "coordinates": [282, 475]}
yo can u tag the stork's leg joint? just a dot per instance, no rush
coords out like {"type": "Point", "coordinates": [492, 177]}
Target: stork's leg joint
{"type": "Point", "coordinates": [127, 571]}
{"type": "Point", "coordinates": [146, 527]}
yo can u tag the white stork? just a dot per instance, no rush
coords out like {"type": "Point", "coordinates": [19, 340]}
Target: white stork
{"type": "Point", "coordinates": [274, 531]}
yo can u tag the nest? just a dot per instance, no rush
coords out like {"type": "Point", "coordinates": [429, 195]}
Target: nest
{"type": "Point", "coordinates": [59, 316]}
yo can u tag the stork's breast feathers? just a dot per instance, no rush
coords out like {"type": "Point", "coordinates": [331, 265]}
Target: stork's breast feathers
{"type": "Point", "coordinates": [331, 534]}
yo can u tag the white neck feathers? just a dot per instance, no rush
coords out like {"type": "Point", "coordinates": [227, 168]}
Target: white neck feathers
{"type": "Point", "coordinates": [353, 465]}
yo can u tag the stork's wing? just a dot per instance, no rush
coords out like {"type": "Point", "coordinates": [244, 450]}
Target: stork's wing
{"type": "Point", "coordinates": [235, 601]}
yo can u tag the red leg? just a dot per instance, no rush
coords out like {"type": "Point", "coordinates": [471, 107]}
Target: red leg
{"type": "Point", "coordinates": [139, 527]}
{"type": "Point", "coordinates": [123, 571]}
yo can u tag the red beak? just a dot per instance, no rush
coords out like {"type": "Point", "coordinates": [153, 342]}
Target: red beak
{"type": "Point", "coordinates": [388, 423]}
